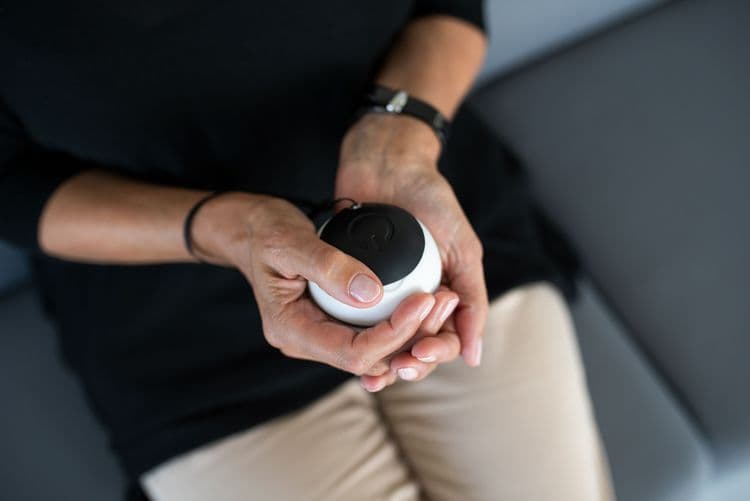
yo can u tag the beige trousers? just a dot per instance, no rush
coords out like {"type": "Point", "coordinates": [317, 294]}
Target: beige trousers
{"type": "Point", "coordinates": [519, 427]}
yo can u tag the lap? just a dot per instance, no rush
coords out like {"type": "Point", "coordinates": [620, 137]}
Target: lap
{"type": "Point", "coordinates": [336, 449]}
{"type": "Point", "coordinates": [517, 427]}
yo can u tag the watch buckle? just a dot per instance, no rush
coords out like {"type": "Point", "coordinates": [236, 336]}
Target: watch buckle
{"type": "Point", "coordinates": [397, 102]}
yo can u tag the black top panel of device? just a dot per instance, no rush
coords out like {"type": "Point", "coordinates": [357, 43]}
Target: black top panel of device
{"type": "Point", "coordinates": [384, 237]}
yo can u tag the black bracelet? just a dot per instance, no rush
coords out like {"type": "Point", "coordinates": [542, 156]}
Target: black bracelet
{"type": "Point", "coordinates": [310, 209]}
{"type": "Point", "coordinates": [187, 226]}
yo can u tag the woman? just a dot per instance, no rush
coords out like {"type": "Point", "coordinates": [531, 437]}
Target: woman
{"type": "Point", "coordinates": [120, 120]}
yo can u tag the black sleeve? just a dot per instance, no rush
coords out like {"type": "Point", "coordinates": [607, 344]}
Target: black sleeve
{"type": "Point", "coordinates": [28, 177]}
{"type": "Point", "coordinates": [471, 11]}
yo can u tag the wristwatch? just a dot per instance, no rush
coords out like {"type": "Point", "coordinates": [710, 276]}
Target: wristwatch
{"type": "Point", "coordinates": [381, 99]}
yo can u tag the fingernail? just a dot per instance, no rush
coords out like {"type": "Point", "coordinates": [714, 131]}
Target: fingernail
{"type": "Point", "coordinates": [427, 359]}
{"type": "Point", "coordinates": [364, 289]}
{"type": "Point", "coordinates": [478, 353]}
{"type": "Point", "coordinates": [373, 389]}
{"type": "Point", "coordinates": [426, 310]}
{"type": "Point", "coordinates": [448, 309]}
{"type": "Point", "coordinates": [408, 373]}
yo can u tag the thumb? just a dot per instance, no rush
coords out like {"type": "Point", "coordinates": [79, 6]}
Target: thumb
{"type": "Point", "coordinates": [340, 275]}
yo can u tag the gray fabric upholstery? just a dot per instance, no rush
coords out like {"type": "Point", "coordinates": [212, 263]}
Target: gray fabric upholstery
{"type": "Point", "coordinates": [654, 451]}
{"type": "Point", "coordinates": [639, 145]}
{"type": "Point", "coordinates": [13, 269]}
{"type": "Point", "coordinates": [52, 447]}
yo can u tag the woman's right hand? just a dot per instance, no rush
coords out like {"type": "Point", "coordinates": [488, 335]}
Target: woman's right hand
{"type": "Point", "coordinates": [277, 248]}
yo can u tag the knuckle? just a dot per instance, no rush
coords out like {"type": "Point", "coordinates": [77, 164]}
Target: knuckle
{"type": "Point", "coordinates": [291, 352]}
{"type": "Point", "coordinates": [329, 260]}
{"type": "Point", "coordinates": [274, 243]}
{"type": "Point", "coordinates": [273, 338]}
{"type": "Point", "coordinates": [358, 366]}
{"type": "Point", "coordinates": [274, 238]}
{"type": "Point", "coordinates": [476, 249]}
{"type": "Point", "coordinates": [273, 330]}
{"type": "Point", "coordinates": [353, 363]}
{"type": "Point", "coordinates": [378, 369]}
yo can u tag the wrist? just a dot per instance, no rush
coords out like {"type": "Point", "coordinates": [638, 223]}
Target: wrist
{"type": "Point", "coordinates": [399, 101]}
{"type": "Point", "coordinates": [390, 137]}
{"type": "Point", "coordinates": [221, 229]}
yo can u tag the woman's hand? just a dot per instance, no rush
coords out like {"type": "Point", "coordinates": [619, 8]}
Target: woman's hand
{"type": "Point", "coordinates": [393, 159]}
{"type": "Point", "coordinates": [276, 247]}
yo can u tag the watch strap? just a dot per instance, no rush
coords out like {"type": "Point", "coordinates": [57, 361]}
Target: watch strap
{"type": "Point", "coordinates": [386, 100]}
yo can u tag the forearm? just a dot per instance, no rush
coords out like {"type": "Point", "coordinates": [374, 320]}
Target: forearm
{"type": "Point", "coordinates": [106, 218]}
{"type": "Point", "coordinates": [436, 59]}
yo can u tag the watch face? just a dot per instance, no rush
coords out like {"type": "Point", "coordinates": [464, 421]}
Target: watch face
{"type": "Point", "coordinates": [386, 238]}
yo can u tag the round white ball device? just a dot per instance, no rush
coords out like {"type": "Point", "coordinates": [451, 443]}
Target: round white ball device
{"type": "Point", "coordinates": [394, 245]}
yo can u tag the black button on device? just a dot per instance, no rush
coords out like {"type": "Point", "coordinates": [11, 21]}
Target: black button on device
{"type": "Point", "coordinates": [371, 232]}
{"type": "Point", "coordinates": [384, 237]}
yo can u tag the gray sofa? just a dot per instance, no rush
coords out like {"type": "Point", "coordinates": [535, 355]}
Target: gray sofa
{"type": "Point", "coordinates": [636, 128]}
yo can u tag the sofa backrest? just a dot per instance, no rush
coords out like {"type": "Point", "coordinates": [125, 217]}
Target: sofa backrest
{"type": "Point", "coordinates": [639, 145]}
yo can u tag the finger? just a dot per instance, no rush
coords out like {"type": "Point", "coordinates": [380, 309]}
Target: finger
{"type": "Point", "coordinates": [441, 348]}
{"type": "Point", "coordinates": [376, 383]}
{"type": "Point", "coordinates": [340, 275]}
{"type": "Point", "coordinates": [471, 313]}
{"type": "Point", "coordinates": [409, 368]}
{"type": "Point", "coordinates": [431, 324]}
{"type": "Point", "coordinates": [446, 301]}
{"type": "Point", "coordinates": [380, 367]}
{"type": "Point", "coordinates": [301, 330]}
{"type": "Point", "coordinates": [382, 340]}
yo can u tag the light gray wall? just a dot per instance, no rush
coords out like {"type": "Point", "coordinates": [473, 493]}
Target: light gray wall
{"type": "Point", "coordinates": [523, 29]}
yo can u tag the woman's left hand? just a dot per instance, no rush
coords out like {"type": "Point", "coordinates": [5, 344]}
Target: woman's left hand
{"type": "Point", "coordinates": [393, 159]}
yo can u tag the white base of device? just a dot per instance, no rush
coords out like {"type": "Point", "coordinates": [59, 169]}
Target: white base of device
{"type": "Point", "coordinates": [425, 277]}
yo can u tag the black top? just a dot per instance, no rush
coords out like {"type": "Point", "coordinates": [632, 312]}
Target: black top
{"type": "Point", "coordinates": [386, 238]}
{"type": "Point", "coordinates": [216, 95]}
